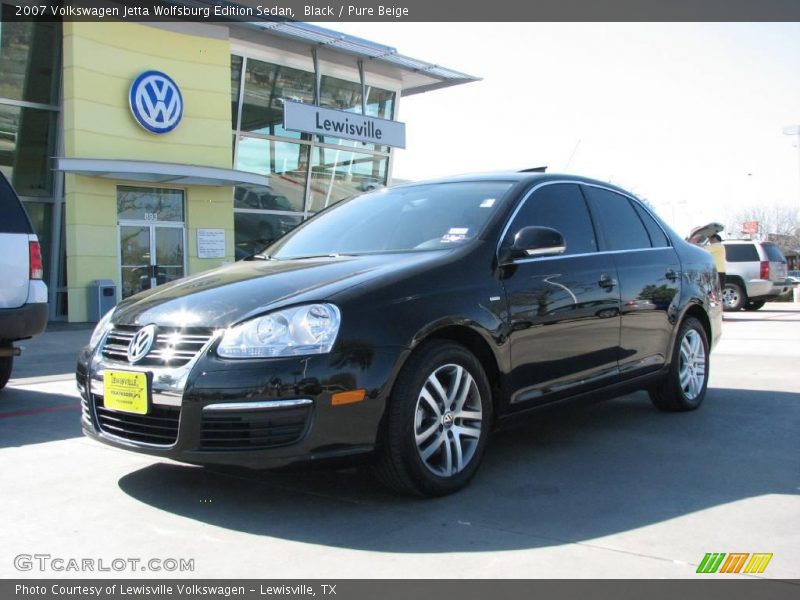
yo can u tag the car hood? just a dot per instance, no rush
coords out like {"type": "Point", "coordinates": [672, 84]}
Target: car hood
{"type": "Point", "coordinates": [227, 295]}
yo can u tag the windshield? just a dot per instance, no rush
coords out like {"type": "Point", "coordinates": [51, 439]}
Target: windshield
{"type": "Point", "coordinates": [420, 217]}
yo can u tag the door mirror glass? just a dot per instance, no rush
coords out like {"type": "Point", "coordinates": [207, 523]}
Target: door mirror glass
{"type": "Point", "coordinates": [530, 242]}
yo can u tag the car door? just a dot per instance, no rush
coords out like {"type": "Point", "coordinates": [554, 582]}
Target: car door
{"type": "Point", "coordinates": [649, 277]}
{"type": "Point", "coordinates": [563, 310]}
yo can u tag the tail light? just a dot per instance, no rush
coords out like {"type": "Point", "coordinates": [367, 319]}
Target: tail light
{"type": "Point", "coordinates": [764, 270]}
{"type": "Point", "coordinates": [35, 259]}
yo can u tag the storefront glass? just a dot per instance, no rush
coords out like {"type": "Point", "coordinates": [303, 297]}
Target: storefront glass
{"type": "Point", "coordinates": [28, 58]}
{"type": "Point", "coordinates": [26, 138]}
{"type": "Point", "coordinates": [339, 173]}
{"type": "Point", "coordinates": [338, 167]}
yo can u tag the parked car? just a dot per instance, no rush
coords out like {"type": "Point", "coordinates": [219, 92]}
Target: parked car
{"type": "Point", "coordinates": [401, 326]}
{"type": "Point", "coordinates": [23, 294]}
{"type": "Point", "coordinates": [756, 274]}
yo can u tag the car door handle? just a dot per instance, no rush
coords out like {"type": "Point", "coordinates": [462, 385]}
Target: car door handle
{"type": "Point", "coordinates": [606, 281]}
{"type": "Point", "coordinates": [672, 274]}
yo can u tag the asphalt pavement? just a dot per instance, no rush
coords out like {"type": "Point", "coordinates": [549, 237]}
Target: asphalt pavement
{"type": "Point", "coordinates": [615, 489]}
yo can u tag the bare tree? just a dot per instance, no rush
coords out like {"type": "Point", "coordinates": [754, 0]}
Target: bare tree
{"type": "Point", "coordinates": [776, 222]}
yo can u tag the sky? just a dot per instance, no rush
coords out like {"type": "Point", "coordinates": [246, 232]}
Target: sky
{"type": "Point", "coordinates": [689, 116]}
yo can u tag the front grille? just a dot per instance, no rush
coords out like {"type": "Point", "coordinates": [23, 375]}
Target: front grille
{"type": "Point", "coordinates": [253, 430]}
{"type": "Point", "coordinates": [159, 426]}
{"type": "Point", "coordinates": [173, 347]}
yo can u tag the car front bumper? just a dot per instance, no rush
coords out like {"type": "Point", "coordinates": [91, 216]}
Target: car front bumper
{"type": "Point", "coordinates": [260, 413]}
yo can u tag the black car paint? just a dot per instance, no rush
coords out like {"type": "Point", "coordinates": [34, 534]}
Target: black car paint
{"type": "Point", "coordinates": [536, 345]}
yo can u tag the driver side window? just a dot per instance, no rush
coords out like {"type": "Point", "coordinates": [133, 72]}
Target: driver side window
{"type": "Point", "coordinates": [562, 207]}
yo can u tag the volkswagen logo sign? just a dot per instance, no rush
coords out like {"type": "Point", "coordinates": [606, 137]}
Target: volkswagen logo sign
{"type": "Point", "coordinates": [141, 343]}
{"type": "Point", "coordinates": [156, 102]}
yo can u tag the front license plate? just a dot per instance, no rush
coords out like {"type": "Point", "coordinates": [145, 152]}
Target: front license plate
{"type": "Point", "coordinates": [126, 391]}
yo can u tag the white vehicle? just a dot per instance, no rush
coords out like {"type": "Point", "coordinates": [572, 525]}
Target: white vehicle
{"type": "Point", "coordinates": [23, 294]}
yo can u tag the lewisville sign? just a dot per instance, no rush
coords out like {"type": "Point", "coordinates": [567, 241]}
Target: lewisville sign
{"type": "Point", "coordinates": [308, 118]}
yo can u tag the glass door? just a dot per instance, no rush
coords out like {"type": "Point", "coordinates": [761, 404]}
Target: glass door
{"type": "Point", "coordinates": [151, 235]}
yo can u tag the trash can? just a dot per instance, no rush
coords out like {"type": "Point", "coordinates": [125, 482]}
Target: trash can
{"type": "Point", "coordinates": [102, 298]}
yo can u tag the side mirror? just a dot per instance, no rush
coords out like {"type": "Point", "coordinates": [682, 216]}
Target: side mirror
{"type": "Point", "coordinates": [530, 242]}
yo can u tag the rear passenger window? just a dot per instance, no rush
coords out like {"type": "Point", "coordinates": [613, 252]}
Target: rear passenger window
{"type": "Point", "coordinates": [562, 207]}
{"type": "Point", "coordinates": [774, 253]}
{"type": "Point", "coordinates": [621, 225]}
{"type": "Point", "coordinates": [741, 253]}
{"type": "Point", "coordinates": [12, 216]}
{"type": "Point", "coordinates": [657, 236]}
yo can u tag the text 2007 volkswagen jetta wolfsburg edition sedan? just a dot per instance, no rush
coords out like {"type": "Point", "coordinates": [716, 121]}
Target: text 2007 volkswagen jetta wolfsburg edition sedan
{"type": "Point", "coordinates": [403, 324]}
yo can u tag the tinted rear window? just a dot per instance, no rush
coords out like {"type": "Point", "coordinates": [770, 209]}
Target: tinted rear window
{"type": "Point", "coordinates": [774, 253]}
{"type": "Point", "coordinates": [622, 227]}
{"type": "Point", "coordinates": [12, 216]}
{"type": "Point", "coordinates": [741, 253]}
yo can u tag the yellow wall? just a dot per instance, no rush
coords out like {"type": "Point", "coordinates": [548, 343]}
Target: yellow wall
{"type": "Point", "coordinates": [100, 62]}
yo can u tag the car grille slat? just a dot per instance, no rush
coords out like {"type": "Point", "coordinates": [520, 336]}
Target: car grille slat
{"type": "Point", "coordinates": [173, 346]}
{"type": "Point", "coordinates": [159, 427]}
{"type": "Point", "coordinates": [254, 430]}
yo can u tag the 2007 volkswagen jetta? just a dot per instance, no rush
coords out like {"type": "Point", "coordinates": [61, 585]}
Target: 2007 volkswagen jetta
{"type": "Point", "coordinates": [404, 324]}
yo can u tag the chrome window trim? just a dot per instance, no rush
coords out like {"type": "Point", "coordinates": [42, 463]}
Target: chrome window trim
{"type": "Point", "coordinates": [261, 405]}
{"type": "Point", "coordinates": [603, 253]}
{"type": "Point", "coordinates": [578, 183]}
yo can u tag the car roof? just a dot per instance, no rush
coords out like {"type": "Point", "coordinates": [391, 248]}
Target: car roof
{"type": "Point", "coordinates": [517, 177]}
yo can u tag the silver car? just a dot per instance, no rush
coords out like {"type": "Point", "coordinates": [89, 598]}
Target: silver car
{"type": "Point", "coordinates": [756, 273]}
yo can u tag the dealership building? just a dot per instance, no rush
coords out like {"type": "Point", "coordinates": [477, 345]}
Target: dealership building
{"type": "Point", "coordinates": [144, 152]}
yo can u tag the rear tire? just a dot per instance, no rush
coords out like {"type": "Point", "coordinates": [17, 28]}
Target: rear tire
{"type": "Point", "coordinates": [684, 388]}
{"type": "Point", "coordinates": [6, 364]}
{"type": "Point", "coordinates": [437, 424]}
{"type": "Point", "coordinates": [733, 297]}
{"type": "Point", "coordinates": [754, 305]}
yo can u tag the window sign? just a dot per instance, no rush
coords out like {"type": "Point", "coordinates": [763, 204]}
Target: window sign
{"type": "Point", "coordinates": [210, 243]}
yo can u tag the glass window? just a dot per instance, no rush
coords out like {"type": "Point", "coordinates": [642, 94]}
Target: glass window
{"type": "Point", "coordinates": [149, 204]}
{"type": "Point", "coordinates": [409, 218]}
{"type": "Point", "coordinates": [340, 94]}
{"type": "Point", "coordinates": [741, 253]}
{"type": "Point", "coordinates": [236, 81]}
{"type": "Point", "coordinates": [562, 207]}
{"type": "Point", "coordinates": [774, 253]}
{"type": "Point", "coordinates": [26, 138]}
{"type": "Point", "coordinates": [339, 173]}
{"type": "Point", "coordinates": [266, 86]}
{"type": "Point", "coordinates": [254, 231]}
{"type": "Point", "coordinates": [380, 103]}
{"type": "Point", "coordinates": [28, 54]}
{"type": "Point", "coordinates": [622, 227]}
{"type": "Point", "coordinates": [285, 163]}
{"type": "Point", "coordinates": [41, 215]}
{"type": "Point", "coordinates": [657, 235]}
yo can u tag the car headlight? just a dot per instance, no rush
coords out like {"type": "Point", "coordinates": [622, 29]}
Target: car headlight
{"type": "Point", "coordinates": [102, 327]}
{"type": "Point", "coordinates": [308, 329]}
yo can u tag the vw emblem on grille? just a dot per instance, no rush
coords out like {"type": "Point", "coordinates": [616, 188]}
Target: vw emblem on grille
{"type": "Point", "coordinates": [141, 343]}
{"type": "Point", "coordinates": [156, 102]}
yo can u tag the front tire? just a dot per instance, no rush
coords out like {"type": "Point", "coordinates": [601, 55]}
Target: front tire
{"type": "Point", "coordinates": [733, 297]}
{"type": "Point", "coordinates": [684, 387]}
{"type": "Point", "coordinates": [438, 422]}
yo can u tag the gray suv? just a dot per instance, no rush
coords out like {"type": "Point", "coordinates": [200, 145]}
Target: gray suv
{"type": "Point", "coordinates": [756, 273]}
{"type": "Point", "coordinates": [23, 294]}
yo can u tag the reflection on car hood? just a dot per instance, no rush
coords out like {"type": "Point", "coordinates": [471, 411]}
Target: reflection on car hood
{"type": "Point", "coordinates": [229, 294]}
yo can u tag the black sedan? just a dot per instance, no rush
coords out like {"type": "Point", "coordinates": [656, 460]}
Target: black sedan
{"type": "Point", "coordinates": [403, 324]}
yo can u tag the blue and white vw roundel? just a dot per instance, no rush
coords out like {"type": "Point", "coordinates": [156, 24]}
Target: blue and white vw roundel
{"type": "Point", "coordinates": [156, 102]}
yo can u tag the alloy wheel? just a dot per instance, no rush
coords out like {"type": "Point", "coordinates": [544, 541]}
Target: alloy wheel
{"type": "Point", "coordinates": [692, 371]}
{"type": "Point", "coordinates": [448, 420]}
